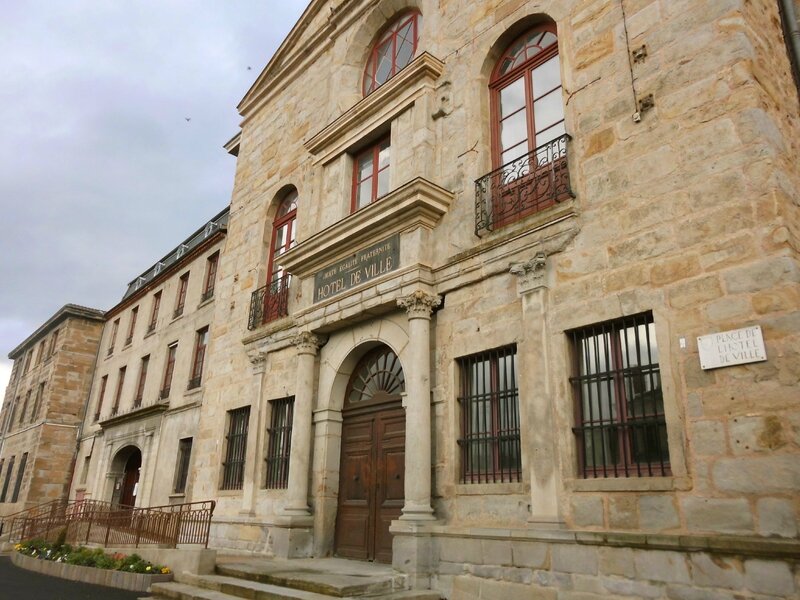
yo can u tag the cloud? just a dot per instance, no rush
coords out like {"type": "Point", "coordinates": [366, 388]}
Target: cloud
{"type": "Point", "coordinates": [100, 173]}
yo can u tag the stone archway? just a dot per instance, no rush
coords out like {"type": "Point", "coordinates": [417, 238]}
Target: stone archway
{"type": "Point", "coordinates": [125, 468]}
{"type": "Point", "coordinates": [372, 462]}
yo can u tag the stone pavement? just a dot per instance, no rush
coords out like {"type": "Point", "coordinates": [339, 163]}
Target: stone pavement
{"type": "Point", "coordinates": [19, 584]}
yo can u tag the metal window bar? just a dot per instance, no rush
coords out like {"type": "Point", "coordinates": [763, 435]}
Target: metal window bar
{"type": "Point", "coordinates": [490, 427]}
{"type": "Point", "coordinates": [526, 185]}
{"type": "Point", "coordinates": [620, 427]}
{"type": "Point", "coordinates": [280, 443]}
{"type": "Point", "coordinates": [269, 302]}
{"type": "Point", "coordinates": [233, 466]}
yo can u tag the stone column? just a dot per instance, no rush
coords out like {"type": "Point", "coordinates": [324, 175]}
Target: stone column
{"type": "Point", "coordinates": [536, 396]}
{"type": "Point", "coordinates": [300, 459]}
{"type": "Point", "coordinates": [416, 369]}
{"type": "Point", "coordinates": [255, 438]}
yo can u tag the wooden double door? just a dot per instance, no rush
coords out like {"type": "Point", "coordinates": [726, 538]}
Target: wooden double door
{"type": "Point", "coordinates": [371, 481]}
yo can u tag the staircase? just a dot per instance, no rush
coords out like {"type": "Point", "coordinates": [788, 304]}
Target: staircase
{"type": "Point", "coordinates": [298, 579]}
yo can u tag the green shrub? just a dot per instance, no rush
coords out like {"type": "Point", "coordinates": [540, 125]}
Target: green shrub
{"type": "Point", "coordinates": [88, 557]}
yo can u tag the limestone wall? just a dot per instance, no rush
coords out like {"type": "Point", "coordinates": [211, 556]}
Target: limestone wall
{"type": "Point", "coordinates": [690, 212]}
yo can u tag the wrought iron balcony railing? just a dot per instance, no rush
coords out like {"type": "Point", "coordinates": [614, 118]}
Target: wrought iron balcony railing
{"type": "Point", "coordinates": [269, 302]}
{"type": "Point", "coordinates": [526, 185]}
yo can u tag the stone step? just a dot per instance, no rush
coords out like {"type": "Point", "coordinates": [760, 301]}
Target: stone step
{"type": "Point", "coordinates": [215, 587]}
{"type": "Point", "coordinates": [346, 581]}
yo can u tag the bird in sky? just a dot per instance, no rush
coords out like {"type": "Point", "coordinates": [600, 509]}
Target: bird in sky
{"type": "Point", "coordinates": [188, 119]}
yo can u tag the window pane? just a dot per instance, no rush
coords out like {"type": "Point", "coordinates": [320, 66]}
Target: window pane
{"type": "Point", "coordinates": [546, 77]}
{"type": "Point", "coordinates": [548, 110]}
{"type": "Point", "coordinates": [548, 135]}
{"type": "Point", "coordinates": [512, 97]}
{"type": "Point", "coordinates": [383, 155]}
{"type": "Point", "coordinates": [364, 196]}
{"type": "Point", "coordinates": [514, 153]}
{"type": "Point", "coordinates": [514, 129]}
{"type": "Point", "coordinates": [384, 55]}
{"type": "Point", "coordinates": [383, 183]}
{"type": "Point", "coordinates": [405, 46]}
{"type": "Point", "coordinates": [364, 166]}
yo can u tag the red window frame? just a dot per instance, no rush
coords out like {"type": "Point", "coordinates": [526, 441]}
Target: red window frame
{"type": "Point", "coordinates": [100, 397]}
{"type": "Point", "coordinates": [180, 300]}
{"type": "Point", "coordinates": [113, 340]}
{"type": "Point", "coordinates": [211, 275]}
{"type": "Point", "coordinates": [118, 395]}
{"type": "Point", "coordinates": [154, 311]}
{"type": "Point", "coordinates": [373, 152]}
{"type": "Point", "coordinates": [169, 369]}
{"type": "Point", "coordinates": [390, 36]}
{"type": "Point", "coordinates": [500, 81]}
{"type": "Point", "coordinates": [142, 378]}
{"type": "Point", "coordinates": [132, 326]}
{"type": "Point", "coordinates": [276, 295]}
{"type": "Point", "coordinates": [200, 345]}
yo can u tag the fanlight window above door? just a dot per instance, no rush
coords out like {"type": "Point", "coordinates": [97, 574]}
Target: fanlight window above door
{"type": "Point", "coordinates": [377, 378]}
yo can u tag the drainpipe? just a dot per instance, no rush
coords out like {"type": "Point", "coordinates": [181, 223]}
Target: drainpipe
{"type": "Point", "coordinates": [792, 30]}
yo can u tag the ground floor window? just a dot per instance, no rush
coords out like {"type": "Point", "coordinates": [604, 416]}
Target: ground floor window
{"type": "Point", "coordinates": [235, 449]}
{"type": "Point", "coordinates": [182, 467]}
{"type": "Point", "coordinates": [489, 402]}
{"type": "Point", "coordinates": [620, 427]}
{"type": "Point", "coordinates": [280, 443]}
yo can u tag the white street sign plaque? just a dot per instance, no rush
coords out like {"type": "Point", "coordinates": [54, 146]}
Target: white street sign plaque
{"type": "Point", "coordinates": [728, 348]}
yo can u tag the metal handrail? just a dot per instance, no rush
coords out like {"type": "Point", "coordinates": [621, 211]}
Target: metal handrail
{"type": "Point", "coordinates": [107, 524]}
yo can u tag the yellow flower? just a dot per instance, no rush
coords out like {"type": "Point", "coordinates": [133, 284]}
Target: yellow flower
{"type": "Point", "coordinates": [166, 571]}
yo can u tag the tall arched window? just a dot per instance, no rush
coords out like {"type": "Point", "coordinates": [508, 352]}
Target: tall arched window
{"type": "Point", "coordinates": [528, 135]}
{"type": "Point", "coordinates": [526, 94]}
{"type": "Point", "coordinates": [394, 50]}
{"type": "Point", "coordinates": [284, 230]}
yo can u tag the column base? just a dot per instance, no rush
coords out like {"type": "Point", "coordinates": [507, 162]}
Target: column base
{"type": "Point", "coordinates": [417, 512]}
{"type": "Point", "coordinates": [292, 542]}
{"type": "Point", "coordinates": [412, 554]}
{"type": "Point", "coordinates": [296, 511]}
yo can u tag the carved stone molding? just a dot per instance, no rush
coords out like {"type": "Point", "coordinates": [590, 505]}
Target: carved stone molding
{"type": "Point", "coordinates": [419, 305]}
{"type": "Point", "coordinates": [258, 360]}
{"type": "Point", "coordinates": [531, 273]}
{"type": "Point", "coordinates": [307, 342]}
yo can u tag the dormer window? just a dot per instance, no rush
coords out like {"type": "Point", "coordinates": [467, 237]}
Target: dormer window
{"type": "Point", "coordinates": [394, 50]}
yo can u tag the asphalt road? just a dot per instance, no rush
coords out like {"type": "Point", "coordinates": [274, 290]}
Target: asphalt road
{"type": "Point", "coordinates": [19, 584]}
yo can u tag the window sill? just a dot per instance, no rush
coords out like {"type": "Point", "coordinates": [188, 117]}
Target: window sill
{"type": "Point", "coordinates": [418, 202]}
{"type": "Point", "coordinates": [177, 495]}
{"type": "Point", "coordinates": [176, 318]}
{"type": "Point", "coordinates": [491, 489]}
{"type": "Point", "coordinates": [389, 100]}
{"type": "Point", "coordinates": [628, 484]}
{"type": "Point", "coordinates": [149, 333]}
{"type": "Point", "coordinates": [229, 493]}
{"type": "Point", "coordinates": [194, 391]}
{"type": "Point", "coordinates": [206, 302]}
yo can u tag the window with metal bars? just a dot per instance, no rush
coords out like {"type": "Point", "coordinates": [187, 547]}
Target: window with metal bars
{"type": "Point", "coordinates": [182, 468]}
{"type": "Point", "coordinates": [236, 446]}
{"type": "Point", "coordinates": [20, 475]}
{"type": "Point", "coordinates": [490, 433]}
{"type": "Point", "coordinates": [620, 427]}
{"type": "Point", "coordinates": [279, 444]}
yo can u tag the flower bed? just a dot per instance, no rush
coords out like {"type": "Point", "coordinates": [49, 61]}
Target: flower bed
{"type": "Point", "coordinates": [90, 565]}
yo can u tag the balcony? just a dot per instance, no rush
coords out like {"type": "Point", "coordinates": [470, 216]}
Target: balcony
{"type": "Point", "coordinates": [522, 187]}
{"type": "Point", "coordinates": [269, 302]}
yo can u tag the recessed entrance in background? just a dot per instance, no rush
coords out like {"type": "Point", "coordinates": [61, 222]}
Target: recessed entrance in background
{"type": "Point", "coordinates": [372, 469]}
{"type": "Point", "coordinates": [129, 461]}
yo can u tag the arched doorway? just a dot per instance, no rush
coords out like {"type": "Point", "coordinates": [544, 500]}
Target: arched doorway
{"type": "Point", "coordinates": [128, 463]}
{"type": "Point", "coordinates": [372, 468]}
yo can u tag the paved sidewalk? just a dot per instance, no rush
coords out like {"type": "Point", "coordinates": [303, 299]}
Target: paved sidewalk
{"type": "Point", "coordinates": [19, 584]}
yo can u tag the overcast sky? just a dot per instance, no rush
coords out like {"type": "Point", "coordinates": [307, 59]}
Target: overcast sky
{"type": "Point", "coordinates": [101, 173]}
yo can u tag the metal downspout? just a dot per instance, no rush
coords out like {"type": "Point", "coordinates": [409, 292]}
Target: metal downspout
{"type": "Point", "coordinates": [792, 27]}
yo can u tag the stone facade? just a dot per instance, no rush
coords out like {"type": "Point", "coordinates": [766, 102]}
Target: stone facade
{"type": "Point", "coordinates": [43, 407]}
{"type": "Point", "coordinates": [682, 162]}
{"type": "Point", "coordinates": [145, 419]}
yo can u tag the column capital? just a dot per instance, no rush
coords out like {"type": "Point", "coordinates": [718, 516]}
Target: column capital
{"type": "Point", "coordinates": [419, 304]}
{"type": "Point", "coordinates": [307, 342]}
{"type": "Point", "coordinates": [531, 273]}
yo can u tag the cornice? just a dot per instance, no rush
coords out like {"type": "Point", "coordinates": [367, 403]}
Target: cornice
{"type": "Point", "coordinates": [134, 415]}
{"type": "Point", "coordinates": [390, 99]}
{"type": "Point", "coordinates": [416, 203]}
